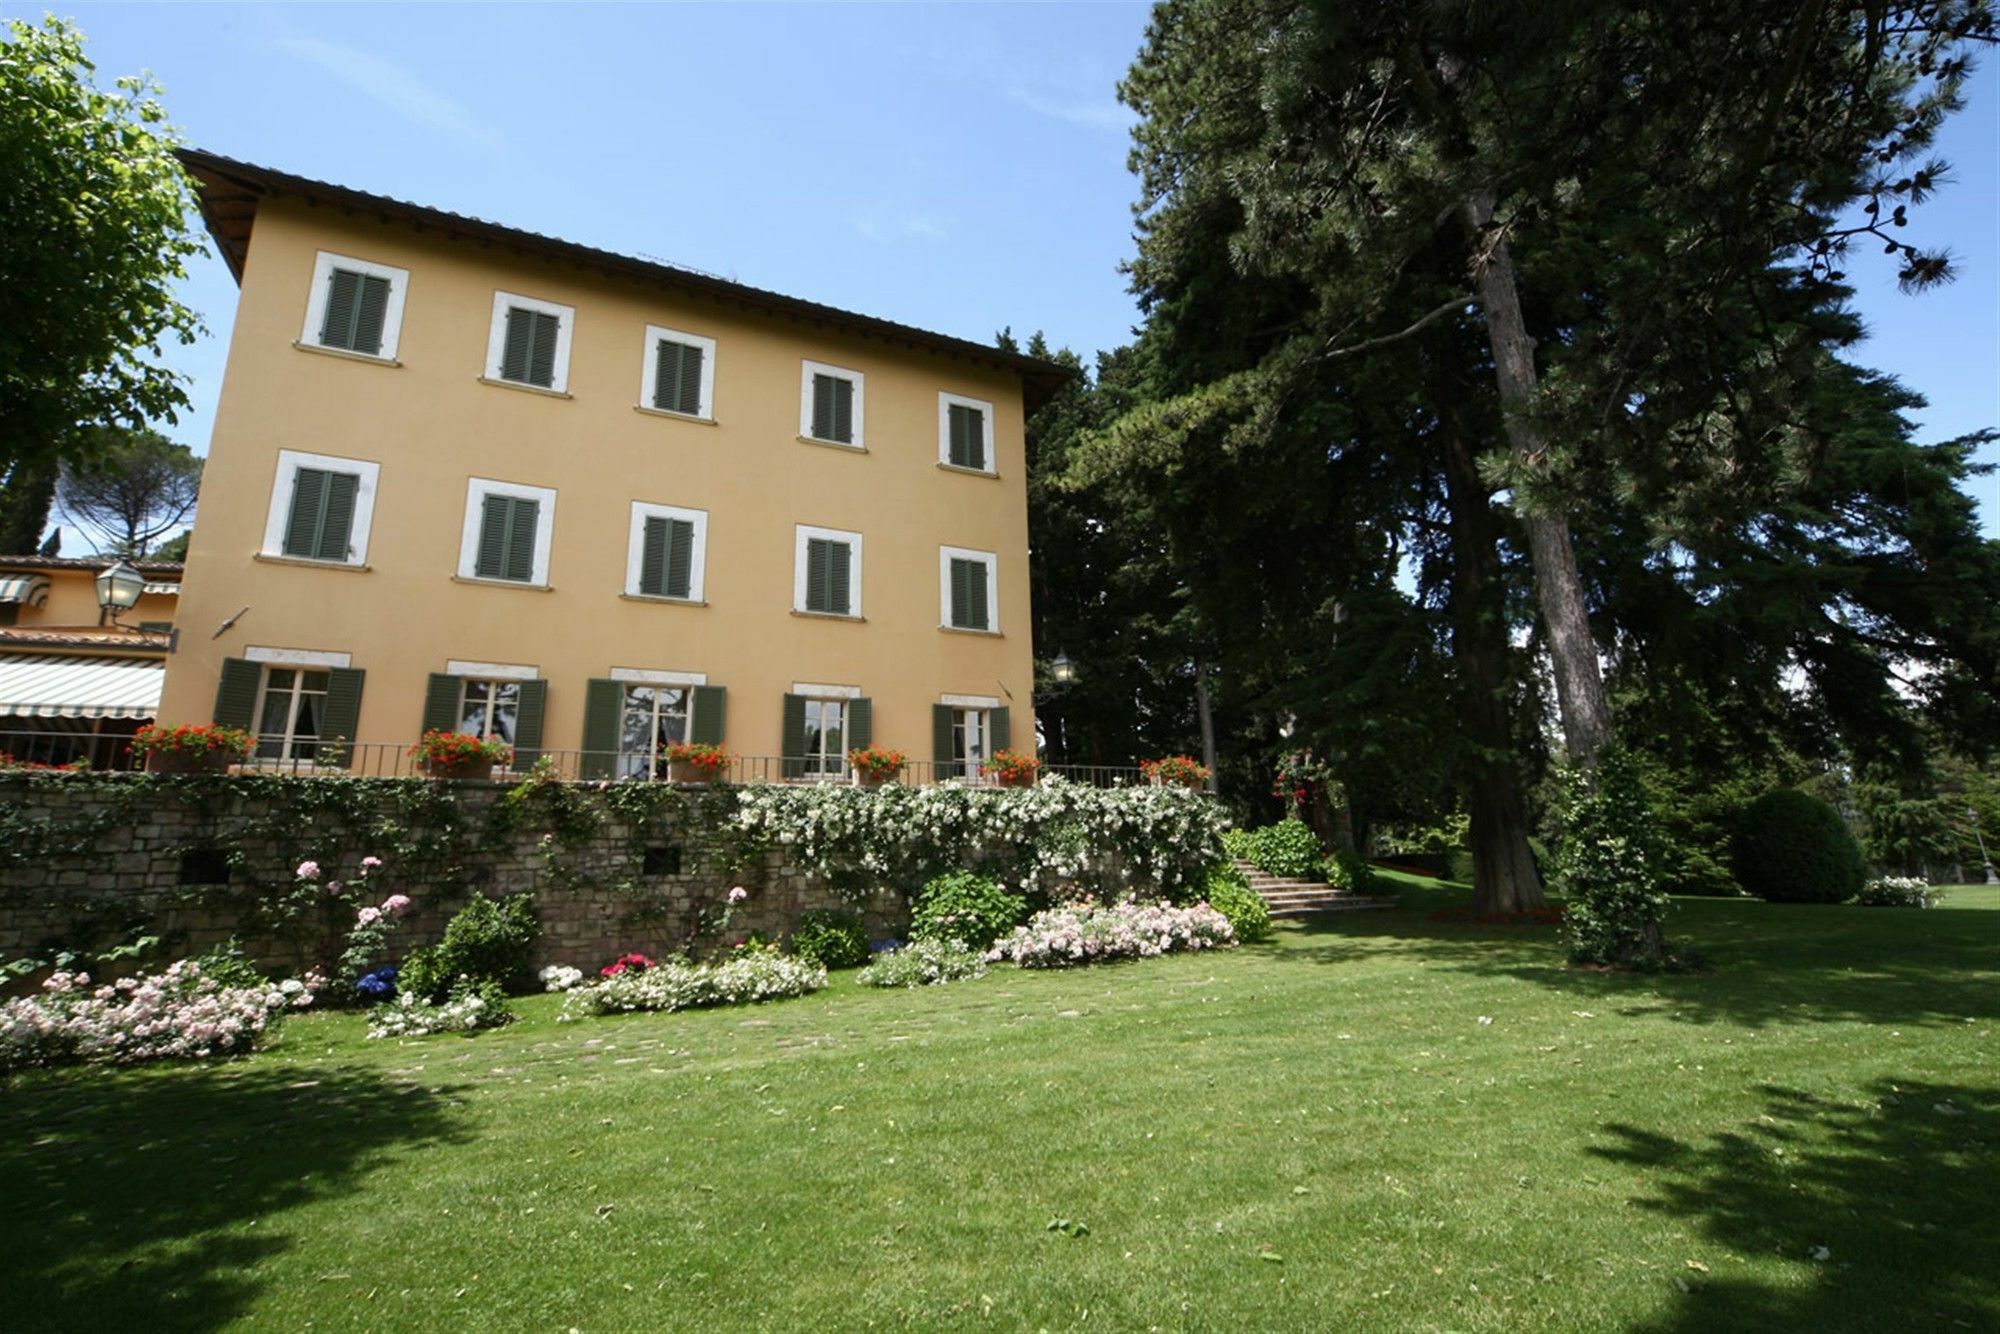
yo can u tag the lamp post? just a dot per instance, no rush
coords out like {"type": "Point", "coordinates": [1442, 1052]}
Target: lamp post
{"type": "Point", "coordinates": [118, 589]}
{"type": "Point", "coordinates": [1986, 861]}
{"type": "Point", "coordinates": [1061, 670]}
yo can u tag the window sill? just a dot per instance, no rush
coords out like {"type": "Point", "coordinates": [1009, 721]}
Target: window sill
{"type": "Point", "coordinates": [963, 471]}
{"type": "Point", "coordinates": [502, 583]}
{"type": "Point", "coordinates": [525, 388]}
{"type": "Point", "coordinates": [689, 417]}
{"type": "Point", "coordinates": [851, 446]}
{"type": "Point", "coordinates": [828, 615]}
{"type": "Point", "coordinates": [671, 602]}
{"type": "Point", "coordinates": [305, 562]}
{"type": "Point", "coordinates": [345, 354]}
{"type": "Point", "coordinates": [968, 630]}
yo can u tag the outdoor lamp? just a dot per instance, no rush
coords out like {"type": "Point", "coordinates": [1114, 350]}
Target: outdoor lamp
{"type": "Point", "coordinates": [1061, 670]}
{"type": "Point", "coordinates": [118, 589]}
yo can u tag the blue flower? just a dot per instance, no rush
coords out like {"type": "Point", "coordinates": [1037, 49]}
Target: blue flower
{"type": "Point", "coordinates": [379, 985]}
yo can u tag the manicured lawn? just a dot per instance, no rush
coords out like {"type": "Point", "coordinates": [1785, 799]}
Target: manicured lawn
{"type": "Point", "coordinates": [1317, 1133]}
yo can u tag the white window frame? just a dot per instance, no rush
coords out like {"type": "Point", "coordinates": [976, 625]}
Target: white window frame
{"type": "Point", "coordinates": [649, 371]}
{"type": "Point", "coordinates": [635, 550]}
{"type": "Point", "coordinates": [392, 314]}
{"type": "Point", "coordinates": [805, 532]}
{"type": "Point", "coordinates": [476, 491]}
{"type": "Point", "coordinates": [860, 383]}
{"type": "Point", "coordinates": [838, 760]}
{"type": "Point", "coordinates": [496, 339]}
{"type": "Point", "coordinates": [280, 513]}
{"type": "Point", "coordinates": [992, 562]}
{"type": "Point", "coordinates": [466, 680]}
{"type": "Point", "coordinates": [945, 402]}
{"type": "Point", "coordinates": [288, 740]}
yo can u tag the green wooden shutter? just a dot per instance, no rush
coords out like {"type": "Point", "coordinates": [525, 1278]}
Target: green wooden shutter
{"type": "Point", "coordinates": [490, 562]}
{"type": "Point", "coordinates": [818, 596]}
{"type": "Point", "coordinates": [822, 419]}
{"type": "Point", "coordinates": [515, 353]}
{"type": "Point", "coordinates": [958, 593]}
{"type": "Point", "coordinates": [528, 722]}
{"type": "Point", "coordinates": [677, 377]}
{"type": "Point", "coordinates": [342, 300]}
{"type": "Point", "coordinates": [690, 380]}
{"type": "Point", "coordinates": [542, 359]}
{"type": "Point", "coordinates": [336, 520]}
{"type": "Point", "coordinates": [679, 559]}
{"type": "Point", "coordinates": [711, 715]}
{"type": "Point", "coordinates": [839, 563]}
{"type": "Point", "coordinates": [792, 736]}
{"type": "Point", "coordinates": [343, 714]}
{"type": "Point", "coordinates": [843, 411]}
{"type": "Point", "coordinates": [975, 595]}
{"type": "Point", "coordinates": [521, 539]}
{"type": "Point", "coordinates": [942, 718]}
{"type": "Point", "coordinates": [653, 558]}
{"type": "Point", "coordinates": [860, 723]}
{"type": "Point", "coordinates": [603, 703]}
{"type": "Point", "coordinates": [302, 527]}
{"type": "Point", "coordinates": [1000, 730]}
{"type": "Point", "coordinates": [968, 436]}
{"type": "Point", "coordinates": [370, 308]}
{"type": "Point", "coordinates": [236, 693]}
{"type": "Point", "coordinates": [441, 699]}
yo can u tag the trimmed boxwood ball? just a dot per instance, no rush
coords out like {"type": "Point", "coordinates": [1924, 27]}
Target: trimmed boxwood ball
{"type": "Point", "coordinates": [1791, 847]}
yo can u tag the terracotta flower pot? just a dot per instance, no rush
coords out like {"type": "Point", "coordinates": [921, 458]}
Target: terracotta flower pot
{"type": "Point", "coordinates": [874, 777]}
{"type": "Point", "coordinates": [686, 771]}
{"type": "Point", "coordinates": [473, 768]}
{"type": "Point", "coordinates": [189, 762]}
{"type": "Point", "coordinates": [1018, 779]}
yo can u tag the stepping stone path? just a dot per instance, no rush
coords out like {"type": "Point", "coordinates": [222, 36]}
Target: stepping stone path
{"type": "Point", "coordinates": [1306, 898]}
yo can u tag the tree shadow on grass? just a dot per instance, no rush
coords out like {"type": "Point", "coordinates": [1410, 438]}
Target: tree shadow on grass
{"type": "Point", "coordinates": [1767, 964]}
{"type": "Point", "coordinates": [148, 1200]}
{"type": "Point", "coordinates": [1899, 1190]}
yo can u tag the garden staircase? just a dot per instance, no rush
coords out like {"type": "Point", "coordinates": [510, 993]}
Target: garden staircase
{"type": "Point", "coordinates": [1305, 898]}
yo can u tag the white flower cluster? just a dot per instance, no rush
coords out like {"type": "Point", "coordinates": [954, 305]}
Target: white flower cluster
{"type": "Point", "coordinates": [1164, 838]}
{"type": "Point", "coordinates": [410, 1016]}
{"type": "Point", "coordinates": [758, 975]}
{"type": "Point", "coordinates": [1898, 891]}
{"type": "Point", "coordinates": [178, 1014]}
{"type": "Point", "coordinates": [560, 977]}
{"type": "Point", "coordinates": [1097, 933]}
{"type": "Point", "coordinates": [923, 963]}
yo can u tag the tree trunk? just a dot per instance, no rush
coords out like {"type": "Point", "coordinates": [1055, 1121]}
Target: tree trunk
{"type": "Point", "coordinates": [1504, 876]}
{"type": "Point", "coordinates": [1207, 721]}
{"type": "Point", "coordinates": [1586, 717]}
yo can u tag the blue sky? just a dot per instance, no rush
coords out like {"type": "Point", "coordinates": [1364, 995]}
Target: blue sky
{"type": "Point", "coordinates": [956, 167]}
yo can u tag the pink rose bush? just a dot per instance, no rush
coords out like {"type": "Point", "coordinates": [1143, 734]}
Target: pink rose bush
{"type": "Point", "coordinates": [180, 1014]}
{"type": "Point", "coordinates": [1099, 932]}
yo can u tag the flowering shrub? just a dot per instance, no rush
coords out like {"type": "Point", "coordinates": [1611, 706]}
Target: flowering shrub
{"type": "Point", "coordinates": [1184, 770]}
{"type": "Point", "coordinates": [470, 1007]}
{"type": "Point", "coordinates": [75, 766]}
{"type": "Point", "coordinates": [743, 978]}
{"type": "Point", "coordinates": [192, 741]}
{"type": "Point", "coordinates": [561, 977]}
{"type": "Point", "coordinates": [965, 906]}
{"type": "Point", "coordinates": [1099, 933]}
{"type": "Point", "coordinates": [831, 938]}
{"type": "Point", "coordinates": [1230, 894]}
{"type": "Point", "coordinates": [1016, 768]}
{"type": "Point", "coordinates": [625, 963]}
{"type": "Point", "coordinates": [1898, 891]}
{"type": "Point", "coordinates": [924, 963]}
{"type": "Point", "coordinates": [180, 1014]}
{"type": "Point", "coordinates": [379, 985]}
{"type": "Point", "coordinates": [877, 761]}
{"type": "Point", "coordinates": [709, 760]}
{"type": "Point", "coordinates": [1115, 840]}
{"type": "Point", "coordinates": [1300, 779]}
{"type": "Point", "coordinates": [457, 752]}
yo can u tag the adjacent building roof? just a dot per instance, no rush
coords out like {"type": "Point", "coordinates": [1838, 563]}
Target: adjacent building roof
{"type": "Point", "coordinates": [18, 637]}
{"type": "Point", "coordinates": [48, 686]}
{"type": "Point", "coordinates": [168, 568]}
{"type": "Point", "coordinates": [230, 192]}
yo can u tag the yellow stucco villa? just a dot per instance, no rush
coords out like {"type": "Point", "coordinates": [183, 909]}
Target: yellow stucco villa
{"type": "Point", "coordinates": [469, 477]}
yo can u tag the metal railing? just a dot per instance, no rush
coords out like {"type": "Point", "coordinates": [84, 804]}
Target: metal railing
{"type": "Point", "coordinates": [387, 760]}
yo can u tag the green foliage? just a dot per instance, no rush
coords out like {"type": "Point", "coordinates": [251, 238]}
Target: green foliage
{"type": "Point", "coordinates": [1240, 844]}
{"type": "Point", "coordinates": [488, 940]}
{"type": "Point", "coordinates": [831, 938]}
{"type": "Point", "coordinates": [230, 966]}
{"type": "Point", "coordinates": [967, 907]}
{"type": "Point", "coordinates": [924, 963]}
{"type": "Point", "coordinates": [1288, 848]}
{"type": "Point", "coordinates": [1608, 866]}
{"type": "Point", "coordinates": [1347, 870]}
{"type": "Point", "coordinates": [93, 238]}
{"type": "Point", "coordinates": [1230, 894]}
{"type": "Point", "coordinates": [1449, 835]}
{"type": "Point", "coordinates": [1791, 847]}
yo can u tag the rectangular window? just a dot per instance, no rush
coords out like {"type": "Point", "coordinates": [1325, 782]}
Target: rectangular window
{"type": "Point", "coordinates": [971, 741]}
{"type": "Point", "coordinates": [826, 731]}
{"type": "Point", "coordinates": [654, 717]}
{"type": "Point", "coordinates": [968, 598]}
{"type": "Point", "coordinates": [830, 405]}
{"type": "Point", "coordinates": [827, 577]}
{"type": "Point", "coordinates": [667, 556]}
{"type": "Point", "coordinates": [679, 373]}
{"type": "Point", "coordinates": [965, 433]}
{"type": "Point", "coordinates": [490, 709]}
{"type": "Point", "coordinates": [529, 342]}
{"type": "Point", "coordinates": [291, 714]}
{"type": "Point", "coordinates": [507, 532]}
{"type": "Point", "coordinates": [321, 508]}
{"type": "Point", "coordinates": [355, 306]}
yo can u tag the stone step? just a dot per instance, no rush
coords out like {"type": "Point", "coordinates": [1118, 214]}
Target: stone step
{"type": "Point", "coordinates": [1343, 903]}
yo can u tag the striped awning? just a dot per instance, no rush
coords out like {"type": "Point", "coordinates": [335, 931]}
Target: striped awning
{"type": "Point", "coordinates": [32, 589]}
{"type": "Point", "coordinates": [48, 686]}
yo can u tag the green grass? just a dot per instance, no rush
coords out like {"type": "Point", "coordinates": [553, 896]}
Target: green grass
{"type": "Point", "coordinates": [1318, 1133]}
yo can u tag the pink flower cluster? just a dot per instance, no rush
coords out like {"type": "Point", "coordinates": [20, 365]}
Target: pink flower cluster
{"type": "Point", "coordinates": [178, 1014]}
{"type": "Point", "coordinates": [1098, 933]}
{"type": "Point", "coordinates": [392, 907]}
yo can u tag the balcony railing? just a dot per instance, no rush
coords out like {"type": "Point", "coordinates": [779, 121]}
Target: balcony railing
{"type": "Point", "coordinates": [387, 760]}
